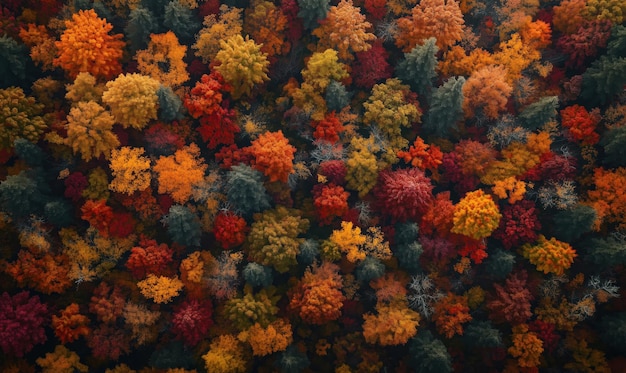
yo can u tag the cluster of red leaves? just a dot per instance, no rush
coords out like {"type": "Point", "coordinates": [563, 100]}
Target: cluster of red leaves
{"type": "Point", "coordinates": [371, 67]}
{"type": "Point", "coordinates": [422, 155]}
{"type": "Point", "coordinates": [581, 123]}
{"type": "Point", "coordinates": [403, 194]}
{"type": "Point", "coordinates": [552, 167]}
{"type": "Point", "coordinates": [22, 318]}
{"type": "Point", "coordinates": [230, 230]}
{"type": "Point", "coordinates": [75, 183]}
{"type": "Point", "coordinates": [511, 302]}
{"type": "Point", "coordinates": [334, 171]}
{"type": "Point", "coordinates": [149, 258]}
{"type": "Point", "coordinates": [328, 129]}
{"type": "Point", "coordinates": [107, 302]}
{"type": "Point", "coordinates": [519, 224]}
{"type": "Point", "coordinates": [330, 201]}
{"type": "Point", "coordinates": [192, 320]}
{"type": "Point", "coordinates": [585, 43]}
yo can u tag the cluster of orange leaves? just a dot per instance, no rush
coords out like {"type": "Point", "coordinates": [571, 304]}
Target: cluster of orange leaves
{"type": "Point", "coordinates": [317, 298]}
{"type": "Point", "coordinates": [87, 46]}
{"type": "Point", "coordinates": [273, 155]}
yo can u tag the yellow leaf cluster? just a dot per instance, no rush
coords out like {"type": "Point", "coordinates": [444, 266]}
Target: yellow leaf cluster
{"type": "Point", "coordinates": [350, 241]}
{"type": "Point", "coordinates": [510, 188]}
{"type": "Point", "coordinates": [242, 64]}
{"type": "Point", "coordinates": [61, 360]}
{"type": "Point", "coordinates": [160, 289]}
{"type": "Point", "coordinates": [132, 99]}
{"type": "Point", "coordinates": [89, 131]}
{"type": "Point", "coordinates": [550, 256]}
{"type": "Point", "coordinates": [131, 170]}
{"type": "Point", "coordinates": [362, 165]}
{"type": "Point", "coordinates": [388, 109]}
{"type": "Point", "coordinates": [225, 355]}
{"type": "Point", "coordinates": [84, 89]}
{"type": "Point", "coordinates": [273, 338]}
{"type": "Point", "coordinates": [394, 324]}
{"type": "Point", "coordinates": [163, 60]}
{"type": "Point", "coordinates": [208, 41]}
{"type": "Point", "coordinates": [476, 215]}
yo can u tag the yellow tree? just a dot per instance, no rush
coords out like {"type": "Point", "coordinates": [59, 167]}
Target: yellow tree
{"type": "Point", "coordinates": [345, 30]}
{"type": "Point", "coordinates": [242, 64]}
{"type": "Point", "coordinates": [163, 59]}
{"type": "Point", "coordinates": [208, 41]}
{"type": "Point", "coordinates": [132, 99]}
{"type": "Point", "coordinates": [89, 131]}
{"type": "Point", "coordinates": [131, 170]}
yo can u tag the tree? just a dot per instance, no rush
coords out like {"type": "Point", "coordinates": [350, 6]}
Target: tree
{"type": "Point", "coordinates": [450, 313]}
{"type": "Point", "coordinates": [230, 24]}
{"type": "Point", "coordinates": [345, 30]}
{"type": "Point", "coordinates": [527, 347]}
{"type": "Point", "coordinates": [486, 91]}
{"type": "Point", "coordinates": [417, 69]}
{"type": "Point", "coordinates": [273, 239]}
{"type": "Point", "coordinates": [330, 201]}
{"type": "Point", "coordinates": [70, 324]}
{"type": "Point", "coordinates": [181, 20]}
{"type": "Point", "coordinates": [441, 19]}
{"type": "Point", "coordinates": [266, 24]}
{"type": "Point", "coordinates": [191, 321]}
{"type": "Point", "coordinates": [581, 124]}
{"type": "Point", "coordinates": [446, 108]}
{"type": "Point", "coordinates": [85, 88]}
{"type": "Point", "coordinates": [89, 131]}
{"type": "Point", "coordinates": [141, 23]}
{"type": "Point", "coordinates": [61, 360]}
{"type": "Point", "coordinates": [183, 226]}
{"type": "Point", "coordinates": [550, 256]}
{"type": "Point", "coordinates": [132, 99]}
{"type": "Point", "coordinates": [160, 289]}
{"type": "Point", "coordinates": [538, 114]}
{"type": "Point", "coordinates": [21, 323]}
{"type": "Point", "coordinates": [230, 230]}
{"type": "Point", "coordinates": [394, 324]}
{"type": "Point", "coordinates": [311, 11]}
{"type": "Point", "coordinates": [317, 298]}
{"type": "Point", "coordinates": [23, 194]}
{"type": "Point", "coordinates": [511, 302]}
{"type": "Point", "coordinates": [270, 339]}
{"type": "Point", "coordinates": [390, 107]}
{"type": "Point", "coordinates": [149, 258]}
{"type": "Point", "coordinates": [242, 64]}
{"type": "Point", "coordinates": [370, 67]}
{"type": "Point", "coordinates": [130, 169]}
{"type": "Point", "coordinates": [273, 155]}
{"type": "Point", "coordinates": [429, 355]}
{"type": "Point", "coordinates": [163, 60]}
{"type": "Point", "coordinates": [245, 190]}
{"type": "Point", "coordinates": [476, 215]}
{"type": "Point", "coordinates": [225, 355]}
{"type": "Point", "coordinates": [77, 52]}
{"type": "Point", "coordinates": [178, 173]}
{"type": "Point", "coordinates": [21, 116]}
{"type": "Point", "coordinates": [404, 194]}
{"type": "Point", "coordinates": [13, 61]}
